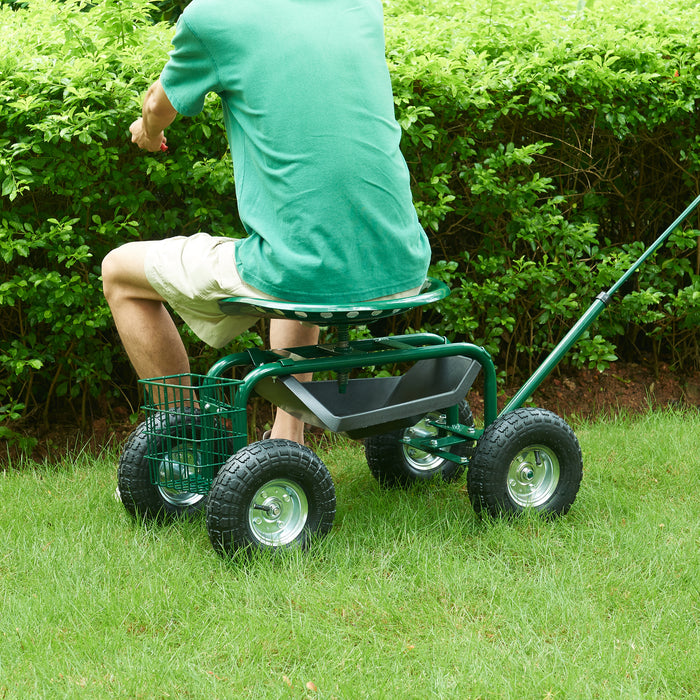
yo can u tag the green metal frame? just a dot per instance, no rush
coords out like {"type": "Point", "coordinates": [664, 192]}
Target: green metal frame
{"type": "Point", "coordinates": [367, 353]}
{"type": "Point", "coordinates": [346, 355]}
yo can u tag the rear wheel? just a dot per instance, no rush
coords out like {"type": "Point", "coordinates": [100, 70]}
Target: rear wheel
{"type": "Point", "coordinates": [176, 460]}
{"type": "Point", "coordinates": [527, 459]}
{"type": "Point", "coordinates": [395, 464]}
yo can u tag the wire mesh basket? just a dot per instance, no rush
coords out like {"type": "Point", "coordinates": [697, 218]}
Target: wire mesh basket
{"type": "Point", "coordinates": [192, 428]}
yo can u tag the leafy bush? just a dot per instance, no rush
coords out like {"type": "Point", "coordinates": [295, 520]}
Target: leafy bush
{"type": "Point", "coordinates": [73, 187]}
{"type": "Point", "coordinates": [547, 146]}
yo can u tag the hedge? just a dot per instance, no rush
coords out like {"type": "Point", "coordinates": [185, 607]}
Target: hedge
{"type": "Point", "coordinates": [548, 147]}
{"type": "Point", "coordinates": [548, 144]}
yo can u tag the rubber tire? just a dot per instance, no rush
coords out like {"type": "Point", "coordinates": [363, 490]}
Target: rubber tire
{"type": "Point", "coordinates": [494, 471]}
{"type": "Point", "coordinates": [139, 496]}
{"type": "Point", "coordinates": [246, 473]}
{"type": "Point", "coordinates": [389, 463]}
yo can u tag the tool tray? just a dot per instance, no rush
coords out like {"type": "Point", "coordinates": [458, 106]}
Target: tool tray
{"type": "Point", "coordinates": [371, 406]}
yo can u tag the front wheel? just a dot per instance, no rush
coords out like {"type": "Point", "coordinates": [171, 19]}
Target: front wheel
{"type": "Point", "coordinates": [528, 459]}
{"type": "Point", "coordinates": [270, 495]}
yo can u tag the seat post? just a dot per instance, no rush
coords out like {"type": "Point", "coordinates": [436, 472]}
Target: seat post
{"type": "Point", "coordinates": [343, 338]}
{"type": "Point", "coordinates": [343, 346]}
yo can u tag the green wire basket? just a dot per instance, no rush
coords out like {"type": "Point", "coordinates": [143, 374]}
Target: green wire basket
{"type": "Point", "coordinates": [191, 429]}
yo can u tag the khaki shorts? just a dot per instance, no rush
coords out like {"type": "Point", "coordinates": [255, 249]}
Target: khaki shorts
{"type": "Point", "coordinates": [192, 273]}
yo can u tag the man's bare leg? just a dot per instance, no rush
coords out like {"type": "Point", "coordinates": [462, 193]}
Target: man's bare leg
{"type": "Point", "coordinates": [147, 330]}
{"type": "Point", "coordinates": [289, 334]}
{"type": "Point", "coordinates": [151, 339]}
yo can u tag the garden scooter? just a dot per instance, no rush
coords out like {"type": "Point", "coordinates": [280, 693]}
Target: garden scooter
{"type": "Point", "coordinates": [191, 453]}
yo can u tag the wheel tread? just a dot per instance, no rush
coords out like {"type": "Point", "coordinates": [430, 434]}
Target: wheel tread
{"type": "Point", "coordinates": [500, 442]}
{"type": "Point", "coordinates": [247, 470]}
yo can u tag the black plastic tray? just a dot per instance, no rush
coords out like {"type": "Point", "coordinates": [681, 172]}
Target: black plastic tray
{"type": "Point", "coordinates": [378, 404]}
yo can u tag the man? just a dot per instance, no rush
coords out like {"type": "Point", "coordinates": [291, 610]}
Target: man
{"type": "Point", "coordinates": [321, 186]}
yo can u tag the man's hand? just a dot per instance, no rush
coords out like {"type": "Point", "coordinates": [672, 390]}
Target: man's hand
{"type": "Point", "coordinates": [140, 137]}
{"type": "Point", "coordinates": [157, 114]}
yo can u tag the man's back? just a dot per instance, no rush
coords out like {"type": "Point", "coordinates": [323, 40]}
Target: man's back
{"type": "Point", "coordinates": [321, 185]}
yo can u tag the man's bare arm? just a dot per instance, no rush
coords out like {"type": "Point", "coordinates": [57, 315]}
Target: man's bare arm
{"type": "Point", "coordinates": [157, 115]}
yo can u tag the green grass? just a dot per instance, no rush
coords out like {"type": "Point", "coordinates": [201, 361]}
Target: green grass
{"type": "Point", "coordinates": [411, 596]}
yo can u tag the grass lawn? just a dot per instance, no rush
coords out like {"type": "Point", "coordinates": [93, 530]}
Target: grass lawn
{"type": "Point", "coordinates": [411, 596]}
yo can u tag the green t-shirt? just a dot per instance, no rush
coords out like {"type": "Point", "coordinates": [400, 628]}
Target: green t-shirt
{"type": "Point", "coordinates": [321, 185]}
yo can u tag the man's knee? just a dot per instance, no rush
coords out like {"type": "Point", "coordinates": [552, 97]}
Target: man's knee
{"type": "Point", "coordinates": [110, 273]}
{"type": "Point", "coordinates": [123, 273]}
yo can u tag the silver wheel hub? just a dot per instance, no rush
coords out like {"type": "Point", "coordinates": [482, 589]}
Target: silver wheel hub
{"type": "Point", "coordinates": [176, 467]}
{"type": "Point", "coordinates": [533, 476]}
{"type": "Point", "coordinates": [278, 512]}
{"type": "Point", "coordinates": [418, 459]}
